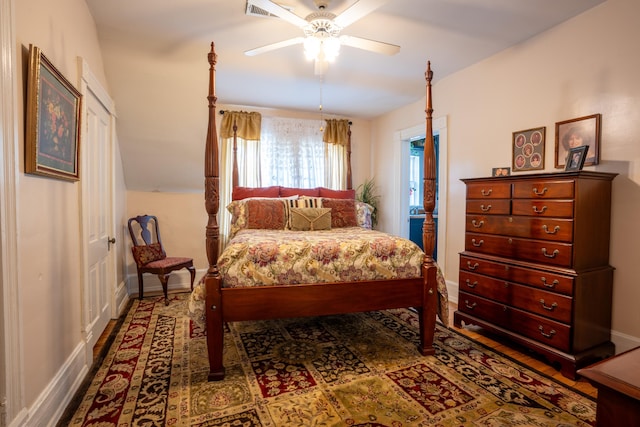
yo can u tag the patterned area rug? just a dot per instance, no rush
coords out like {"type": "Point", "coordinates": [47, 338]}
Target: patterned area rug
{"type": "Point", "coordinates": [349, 370]}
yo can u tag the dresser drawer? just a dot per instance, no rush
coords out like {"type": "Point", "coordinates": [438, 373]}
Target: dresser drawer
{"type": "Point", "coordinates": [560, 230]}
{"type": "Point", "coordinates": [489, 190]}
{"type": "Point", "coordinates": [489, 207]}
{"type": "Point", "coordinates": [548, 304]}
{"type": "Point", "coordinates": [545, 252]}
{"type": "Point", "coordinates": [539, 279]}
{"type": "Point", "coordinates": [543, 208]}
{"type": "Point", "coordinates": [544, 189]}
{"type": "Point", "coordinates": [538, 328]}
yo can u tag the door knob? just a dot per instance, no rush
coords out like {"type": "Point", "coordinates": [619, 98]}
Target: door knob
{"type": "Point", "coordinates": [110, 241]}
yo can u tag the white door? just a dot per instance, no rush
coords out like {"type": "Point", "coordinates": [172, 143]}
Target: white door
{"type": "Point", "coordinates": [97, 203]}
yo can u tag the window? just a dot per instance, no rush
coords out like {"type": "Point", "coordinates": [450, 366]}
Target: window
{"type": "Point", "coordinates": [292, 152]}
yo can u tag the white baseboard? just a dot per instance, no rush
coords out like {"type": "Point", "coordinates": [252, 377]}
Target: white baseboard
{"type": "Point", "coordinates": [121, 299]}
{"type": "Point", "coordinates": [54, 399]}
{"type": "Point", "coordinates": [179, 280]}
{"type": "Point", "coordinates": [452, 291]}
{"type": "Point", "coordinates": [624, 342]}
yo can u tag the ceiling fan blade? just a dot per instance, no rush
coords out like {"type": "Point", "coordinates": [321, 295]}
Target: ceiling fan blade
{"type": "Point", "coordinates": [274, 46]}
{"type": "Point", "coordinates": [358, 10]}
{"type": "Point", "coordinates": [371, 45]}
{"type": "Point", "coordinates": [279, 11]}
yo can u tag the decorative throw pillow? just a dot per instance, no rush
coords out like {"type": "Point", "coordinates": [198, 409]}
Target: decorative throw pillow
{"type": "Point", "coordinates": [303, 219]}
{"type": "Point", "coordinates": [145, 254]}
{"type": "Point", "coordinates": [363, 214]}
{"type": "Point", "coordinates": [309, 202]}
{"type": "Point", "coordinates": [266, 214]}
{"type": "Point", "coordinates": [343, 212]}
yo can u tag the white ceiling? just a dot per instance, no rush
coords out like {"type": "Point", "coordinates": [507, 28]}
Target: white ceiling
{"type": "Point", "coordinates": [154, 54]}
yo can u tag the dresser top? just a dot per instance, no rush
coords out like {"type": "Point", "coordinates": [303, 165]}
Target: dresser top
{"type": "Point", "coordinates": [549, 175]}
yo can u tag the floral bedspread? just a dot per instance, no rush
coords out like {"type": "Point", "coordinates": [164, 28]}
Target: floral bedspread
{"type": "Point", "coordinates": [270, 257]}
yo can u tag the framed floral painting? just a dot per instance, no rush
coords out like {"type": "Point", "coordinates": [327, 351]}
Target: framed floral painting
{"type": "Point", "coordinates": [52, 134]}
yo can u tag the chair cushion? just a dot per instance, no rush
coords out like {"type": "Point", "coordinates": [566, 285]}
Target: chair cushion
{"type": "Point", "coordinates": [303, 219]}
{"type": "Point", "coordinates": [144, 254]}
{"type": "Point", "coordinates": [168, 262]}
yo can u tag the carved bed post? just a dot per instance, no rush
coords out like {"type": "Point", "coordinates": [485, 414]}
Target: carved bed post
{"type": "Point", "coordinates": [213, 282]}
{"type": "Point", "coordinates": [349, 178]}
{"type": "Point", "coordinates": [429, 267]}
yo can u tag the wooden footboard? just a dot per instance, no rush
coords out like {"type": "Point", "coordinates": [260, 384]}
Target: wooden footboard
{"type": "Point", "coordinates": [261, 303]}
{"type": "Point", "coordinates": [275, 302]}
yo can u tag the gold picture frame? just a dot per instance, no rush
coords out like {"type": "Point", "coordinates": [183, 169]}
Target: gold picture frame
{"type": "Point", "coordinates": [577, 132]}
{"type": "Point", "coordinates": [528, 149]}
{"type": "Point", "coordinates": [52, 135]}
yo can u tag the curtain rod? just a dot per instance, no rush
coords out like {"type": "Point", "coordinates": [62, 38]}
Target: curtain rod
{"type": "Point", "coordinates": [222, 112]}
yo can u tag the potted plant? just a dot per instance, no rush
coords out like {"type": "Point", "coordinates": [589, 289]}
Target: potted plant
{"type": "Point", "coordinates": [367, 192]}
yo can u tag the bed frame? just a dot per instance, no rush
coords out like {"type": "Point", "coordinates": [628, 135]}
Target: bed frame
{"type": "Point", "coordinates": [271, 302]}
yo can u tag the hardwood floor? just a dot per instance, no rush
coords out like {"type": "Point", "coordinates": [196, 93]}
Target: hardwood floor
{"type": "Point", "coordinates": [505, 347]}
{"type": "Point", "coordinates": [520, 354]}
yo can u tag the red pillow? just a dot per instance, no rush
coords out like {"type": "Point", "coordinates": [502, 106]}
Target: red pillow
{"type": "Point", "coordinates": [337, 194]}
{"type": "Point", "coordinates": [289, 191]}
{"type": "Point", "coordinates": [268, 214]}
{"type": "Point", "coordinates": [240, 193]}
{"type": "Point", "coordinates": [343, 212]}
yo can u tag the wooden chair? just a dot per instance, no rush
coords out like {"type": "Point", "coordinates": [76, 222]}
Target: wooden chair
{"type": "Point", "coordinates": [150, 255]}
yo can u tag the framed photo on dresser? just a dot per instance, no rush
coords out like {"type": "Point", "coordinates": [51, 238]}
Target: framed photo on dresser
{"type": "Point", "coordinates": [528, 149]}
{"type": "Point", "coordinates": [577, 132]}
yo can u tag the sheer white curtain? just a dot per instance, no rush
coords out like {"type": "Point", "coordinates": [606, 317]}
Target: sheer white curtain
{"type": "Point", "coordinates": [248, 153]}
{"type": "Point", "coordinates": [292, 151]}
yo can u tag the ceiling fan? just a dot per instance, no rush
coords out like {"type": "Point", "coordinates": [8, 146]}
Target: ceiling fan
{"type": "Point", "coordinates": [322, 39]}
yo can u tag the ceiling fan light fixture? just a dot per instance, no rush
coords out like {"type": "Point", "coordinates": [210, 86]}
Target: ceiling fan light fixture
{"type": "Point", "coordinates": [312, 47]}
{"type": "Point", "coordinates": [331, 48]}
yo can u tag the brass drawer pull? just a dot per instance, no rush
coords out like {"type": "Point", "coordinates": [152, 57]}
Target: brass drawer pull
{"type": "Point", "coordinates": [553, 255]}
{"type": "Point", "coordinates": [477, 244]}
{"type": "Point", "coordinates": [486, 193]}
{"type": "Point", "coordinates": [555, 229]}
{"type": "Point", "coordinates": [477, 224]}
{"type": "Point", "coordinates": [472, 267]}
{"type": "Point", "coordinates": [472, 285]}
{"type": "Point", "coordinates": [469, 306]}
{"type": "Point", "coordinates": [549, 335]}
{"type": "Point", "coordinates": [548, 307]}
{"type": "Point", "coordinates": [535, 209]}
{"type": "Point", "coordinates": [539, 193]}
{"type": "Point", "coordinates": [549, 285]}
{"type": "Point", "coordinates": [485, 209]}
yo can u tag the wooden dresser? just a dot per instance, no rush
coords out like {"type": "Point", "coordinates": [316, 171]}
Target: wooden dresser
{"type": "Point", "coordinates": [536, 263]}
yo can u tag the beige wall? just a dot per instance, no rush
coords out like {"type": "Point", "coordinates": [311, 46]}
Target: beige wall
{"type": "Point", "coordinates": [585, 66]}
{"type": "Point", "coordinates": [49, 223]}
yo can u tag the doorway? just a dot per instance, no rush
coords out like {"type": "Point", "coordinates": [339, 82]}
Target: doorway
{"type": "Point", "coordinates": [416, 190]}
{"type": "Point", "coordinates": [410, 199]}
{"type": "Point", "coordinates": [97, 203]}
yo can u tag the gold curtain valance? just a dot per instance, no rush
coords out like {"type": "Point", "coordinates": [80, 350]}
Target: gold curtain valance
{"type": "Point", "coordinates": [336, 132]}
{"type": "Point", "coordinates": [248, 124]}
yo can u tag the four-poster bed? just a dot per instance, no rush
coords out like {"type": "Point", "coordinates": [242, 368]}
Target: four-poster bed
{"type": "Point", "coordinates": [229, 303]}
